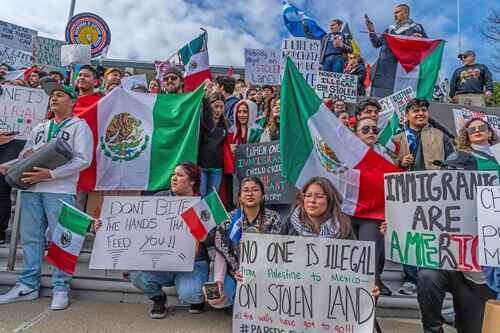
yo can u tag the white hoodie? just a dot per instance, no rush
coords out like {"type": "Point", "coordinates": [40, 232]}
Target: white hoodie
{"type": "Point", "coordinates": [64, 179]}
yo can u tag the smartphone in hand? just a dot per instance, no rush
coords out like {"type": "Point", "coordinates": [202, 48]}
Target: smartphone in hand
{"type": "Point", "coordinates": [212, 291]}
{"type": "Point", "coordinates": [10, 133]}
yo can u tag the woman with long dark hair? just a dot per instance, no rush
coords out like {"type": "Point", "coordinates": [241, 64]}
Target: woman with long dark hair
{"type": "Point", "coordinates": [250, 216]}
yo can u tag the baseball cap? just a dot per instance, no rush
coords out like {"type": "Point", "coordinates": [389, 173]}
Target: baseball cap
{"type": "Point", "coordinates": [112, 69]}
{"type": "Point", "coordinates": [466, 53]}
{"type": "Point", "coordinates": [49, 85]}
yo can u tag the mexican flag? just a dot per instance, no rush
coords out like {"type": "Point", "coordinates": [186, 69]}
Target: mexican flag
{"type": "Point", "coordinates": [68, 238]}
{"type": "Point", "coordinates": [314, 142]}
{"type": "Point", "coordinates": [205, 215]}
{"type": "Point", "coordinates": [142, 137]}
{"type": "Point", "coordinates": [419, 62]}
{"type": "Point", "coordinates": [194, 57]}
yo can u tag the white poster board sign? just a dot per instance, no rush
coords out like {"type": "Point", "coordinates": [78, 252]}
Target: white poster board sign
{"type": "Point", "coordinates": [488, 220]}
{"type": "Point", "coordinates": [21, 109]}
{"type": "Point", "coordinates": [128, 82]}
{"type": "Point", "coordinates": [461, 116]}
{"type": "Point", "coordinates": [72, 54]}
{"type": "Point", "coordinates": [304, 284]}
{"type": "Point", "coordinates": [262, 66]}
{"type": "Point", "coordinates": [15, 58]}
{"type": "Point", "coordinates": [304, 53]}
{"type": "Point", "coordinates": [432, 218]}
{"type": "Point", "coordinates": [337, 86]}
{"type": "Point", "coordinates": [397, 101]}
{"type": "Point", "coordinates": [17, 37]}
{"type": "Point", "coordinates": [144, 233]}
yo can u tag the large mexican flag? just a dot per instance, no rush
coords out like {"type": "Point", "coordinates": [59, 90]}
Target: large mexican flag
{"type": "Point", "coordinates": [194, 57]}
{"type": "Point", "coordinates": [142, 137]}
{"type": "Point", "coordinates": [419, 62]}
{"type": "Point", "coordinates": [314, 142]}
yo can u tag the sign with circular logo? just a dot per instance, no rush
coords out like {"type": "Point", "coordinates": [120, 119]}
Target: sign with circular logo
{"type": "Point", "coordinates": [89, 29]}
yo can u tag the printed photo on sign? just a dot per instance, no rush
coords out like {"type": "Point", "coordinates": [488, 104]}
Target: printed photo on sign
{"type": "Point", "coordinates": [432, 218]}
{"type": "Point", "coordinates": [461, 116]}
{"type": "Point", "coordinates": [305, 54]}
{"type": "Point", "coordinates": [144, 233]}
{"type": "Point", "coordinates": [488, 220]}
{"type": "Point", "coordinates": [337, 86]}
{"type": "Point", "coordinates": [21, 109]}
{"type": "Point", "coordinates": [262, 66]}
{"type": "Point", "coordinates": [302, 284]}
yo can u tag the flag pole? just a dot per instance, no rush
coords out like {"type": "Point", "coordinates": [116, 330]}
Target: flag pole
{"type": "Point", "coordinates": [459, 28]}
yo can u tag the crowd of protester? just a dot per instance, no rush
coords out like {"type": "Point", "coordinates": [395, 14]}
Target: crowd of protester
{"type": "Point", "coordinates": [236, 113]}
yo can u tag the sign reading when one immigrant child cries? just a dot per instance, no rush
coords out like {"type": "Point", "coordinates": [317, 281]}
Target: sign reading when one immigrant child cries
{"type": "Point", "coordinates": [21, 109]}
{"type": "Point", "coordinates": [144, 233]}
{"type": "Point", "coordinates": [263, 160]}
{"type": "Point", "coordinates": [488, 220]}
{"type": "Point", "coordinates": [303, 284]}
{"type": "Point", "coordinates": [337, 86]}
{"type": "Point", "coordinates": [262, 66]}
{"type": "Point", "coordinates": [304, 53]}
{"type": "Point", "coordinates": [432, 218]}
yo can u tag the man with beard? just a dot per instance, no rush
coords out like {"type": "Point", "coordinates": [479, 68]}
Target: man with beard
{"type": "Point", "coordinates": [173, 80]}
{"type": "Point", "coordinates": [112, 77]}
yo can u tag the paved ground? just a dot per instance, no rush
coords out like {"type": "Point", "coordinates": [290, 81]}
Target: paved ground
{"type": "Point", "coordinates": [83, 316]}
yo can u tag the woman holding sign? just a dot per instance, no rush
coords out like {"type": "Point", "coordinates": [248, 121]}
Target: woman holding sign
{"type": "Point", "coordinates": [470, 290]}
{"type": "Point", "coordinates": [318, 213]}
{"type": "Point", "coordinates": [185, 182]}
{"type": "Point", "coordinates": [251, 216]}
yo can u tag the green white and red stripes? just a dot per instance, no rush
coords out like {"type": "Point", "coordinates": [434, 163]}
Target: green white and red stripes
{"type": "Point", "coordinates": [314, 142]}
{"type": "Point", "coordinates": [419, 62]}
{"type": "Point", "coordinates": [142, 137]}
{"type": "Point", "coordinates": [68, 238]}
{"type": "Point", "coordinates": [194, 56]}
{"type": "Point", "coordinates": [205, 215]}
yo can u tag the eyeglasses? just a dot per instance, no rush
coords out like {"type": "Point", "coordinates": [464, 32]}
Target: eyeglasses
{"type": "Point", "coordinates": [171, 78]}
{"type": "Point", "coordinates": [250, 190]}
{"type": "Point", "coordinates": [480, 128]}
{"type": "Point", "coordinates": [316, 196]}
{"type": "Point", "coordinates": [367, 129]}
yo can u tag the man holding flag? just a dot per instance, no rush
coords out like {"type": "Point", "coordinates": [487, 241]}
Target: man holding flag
{"type": "Point", "coordinates": [41, 204]}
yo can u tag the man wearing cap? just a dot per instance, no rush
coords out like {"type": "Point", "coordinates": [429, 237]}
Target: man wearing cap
{"type": "Point", "coordinates": [172, 80]}
{"type": "Point", "coordinates": [471, 83]}
{"type": "Point", "coordinates": [57, 76]}
{"type": "Point", "coordinates": [112, 76]}
{"type": "Point", "coordinates": [41, 203]}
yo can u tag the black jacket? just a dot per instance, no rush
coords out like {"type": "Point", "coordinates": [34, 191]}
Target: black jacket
{"type": "Point", "coordinates": [212, 136]}
{"type": "Point", "coordinates": [360, 72]}
{"type": "Point", "coordinates": [9, 151]}
{"type": "Point", "coordinates": [471, 79]}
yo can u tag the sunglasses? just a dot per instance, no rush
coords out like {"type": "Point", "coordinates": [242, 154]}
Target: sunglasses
{"type": "Point", "coordinates": [480, 128]}
{"type": "Point", "coordinates": [171, 78]}
{"type": "Point", "coordinates": [367, 129]}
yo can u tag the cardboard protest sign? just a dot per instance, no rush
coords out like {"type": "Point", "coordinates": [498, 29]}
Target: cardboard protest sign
{"type": "Point", "coordinates": [488, 220]}
{"type": "Point", "coordinates": [48, 51]}
{"type": "Point", "coordinates": [262, 66]}
{"type": "Point", "coordinates": [432, 218]}
{"type": "Point", "coordinates": [72, 54]}
{"type": "Point", "coordinates": [397, 101]}
{"type": "Point", "coordinates": [15, 58]}
{"type": "Point", "coordinates": [302, 284]}
{"type": "Point", "coordinates": [337, 86]}
{"type": "Point", "coordinates": [304, 53]}
{"type": "Point", "coordinates": [144, 233]}
{"type": "Point", "coordinates": [263, 160]}
{"type": "Point", "coordinates": [17, 37]}
{"type": "Point", "coordinates": [461, 116]}
{"type": "Point", "coordinates": [21, 109]}
{"type": "Point", "coordinates": [128, 82]}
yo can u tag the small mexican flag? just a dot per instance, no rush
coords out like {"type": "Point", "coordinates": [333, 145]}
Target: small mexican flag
{"type": "Point", "coordinates": [390, 128]}
{"type": "Point", "coordinates": [68, 238]}
{"type": "Point", "coordinates": [194, 57]}
{"type": "Point", "coordinates": [205, 215]}
{"type": "Point", "coordinates": [314, 142]}
{"type": "Point", "coordinates": [142, 137]}
{"type": "Point", "coordinates": [419, 62]}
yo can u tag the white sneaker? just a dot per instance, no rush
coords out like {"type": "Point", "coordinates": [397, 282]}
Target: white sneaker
{"type": "Point", "coordinates": [60, 300]}
{"type": "Point", "coordinates": [20, 292]}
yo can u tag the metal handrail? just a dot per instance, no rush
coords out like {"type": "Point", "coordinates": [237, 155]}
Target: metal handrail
{"type": "Point", "coordinates": [14, 237]}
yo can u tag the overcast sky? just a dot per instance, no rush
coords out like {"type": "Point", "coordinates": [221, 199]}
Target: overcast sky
{"type": "Point", "coordinates": [153, 30]}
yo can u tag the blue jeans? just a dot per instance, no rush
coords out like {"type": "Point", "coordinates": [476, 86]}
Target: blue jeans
{"type": "Point", "coordinates": [333, 63]}
{"type": "Point", "coordinates": [410, 274]}
{"type": "Point", "coordinates": [229, 290]}
{"type": "Point", "coordinates": [210, 178]}
{"type": "Point", "coordinates": [188, 284]}
{"type": "Point", "coordinates": [39, 211]}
